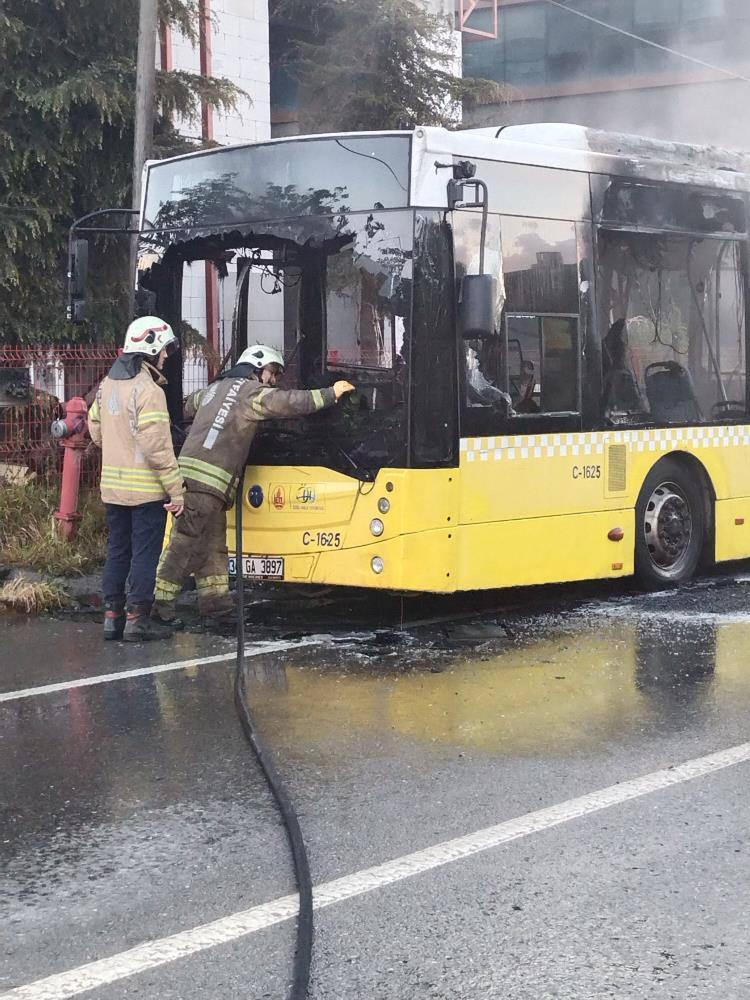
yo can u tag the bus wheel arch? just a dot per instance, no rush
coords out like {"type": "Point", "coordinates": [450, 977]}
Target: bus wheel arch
{"type": "Point", "coordinates": [674, 521]}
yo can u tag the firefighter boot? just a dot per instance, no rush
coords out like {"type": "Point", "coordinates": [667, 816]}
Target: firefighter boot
{"type": "Point", "coordinates": [141, 627]}
{"type": "Point", "coordinates": [165, 614]}
{"type": "Point", "coordinates": [114, 619]}
{"type": "Point", "coordinates": [218, 608]}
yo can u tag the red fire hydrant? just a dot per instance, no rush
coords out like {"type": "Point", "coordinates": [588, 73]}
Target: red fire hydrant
{"type": "Point", "coordinates": [72, 433]}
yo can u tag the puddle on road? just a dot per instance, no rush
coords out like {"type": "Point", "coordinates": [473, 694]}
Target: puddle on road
{"type": "Point", "coordinates": [532, 683]}
{"type": "Point", "coordinates": [577, 687]}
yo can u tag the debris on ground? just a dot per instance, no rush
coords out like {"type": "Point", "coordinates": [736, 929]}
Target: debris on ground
{"type": "Point", "coordinates": [475, 631]}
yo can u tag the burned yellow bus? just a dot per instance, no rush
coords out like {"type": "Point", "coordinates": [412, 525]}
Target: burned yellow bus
{"type": "Point", "coordinates": [547, 329]}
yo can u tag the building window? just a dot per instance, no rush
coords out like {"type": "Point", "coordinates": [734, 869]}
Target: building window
{"type": "Point", "coordinates": [702, 10]}
{"type": "Point", "coordinates": [524, 31]}
{"type": "Point", "coordinates": [540, 45]}
{"type": "Point", "coordinates": [657, 20]}
{"type": "Point", "coordinates": [568, 46]}
{"type": "Point", "coordinates": [611, 53]}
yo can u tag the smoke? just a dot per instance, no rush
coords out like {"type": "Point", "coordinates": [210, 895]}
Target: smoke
{"type": "Point", "coordinates": [654, 94]}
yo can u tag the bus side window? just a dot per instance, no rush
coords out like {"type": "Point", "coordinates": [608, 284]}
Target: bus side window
{"type": "Point", "coordinates": [524, 362]}
{"type": "Point", "coordinates": [543, 363]}
{"type": "Point", "coordinates": [672, 321]}
{"type": "Point", "coordinates": [540, 269]}
{"type": "Point", "coordinates": [531, 365]}
{"type": "Point", "coordinates": [559, 391]}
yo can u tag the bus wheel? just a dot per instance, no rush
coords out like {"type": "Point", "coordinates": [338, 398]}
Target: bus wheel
{"type": "Point", "coordinates": [670, 519]}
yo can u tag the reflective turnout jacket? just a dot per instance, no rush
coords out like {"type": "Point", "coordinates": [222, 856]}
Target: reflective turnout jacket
{"type": "Point", "coordinates": [129, 421]}
{"type": "Point", "coordinates": [226, 415]}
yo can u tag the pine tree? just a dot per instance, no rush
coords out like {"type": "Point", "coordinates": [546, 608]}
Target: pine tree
{"type": "Point", "coordinates": [67, 84]}
{"type": "Point", "coordinates": [374, 64]}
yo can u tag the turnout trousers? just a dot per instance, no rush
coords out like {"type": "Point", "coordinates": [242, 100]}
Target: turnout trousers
{"type": "Point", "coordinates": [197, 547]}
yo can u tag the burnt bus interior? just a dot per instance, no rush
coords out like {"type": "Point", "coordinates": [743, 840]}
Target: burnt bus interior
{"type": "Point", "coordinates": [616, 302]}
{"type": "Point", "coordinates": [632, 313]}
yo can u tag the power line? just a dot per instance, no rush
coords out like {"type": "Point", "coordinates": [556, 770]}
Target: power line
{"type": "Point", "coordinates": [647, 41]}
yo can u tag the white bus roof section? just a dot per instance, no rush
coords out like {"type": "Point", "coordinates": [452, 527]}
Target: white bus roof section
{"type": "Point", "coordinates": [572, 147]}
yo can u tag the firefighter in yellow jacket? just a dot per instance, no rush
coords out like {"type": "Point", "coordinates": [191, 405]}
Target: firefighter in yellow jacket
{"type": "Point", "coordinates": [226, 416]}
{"type": "Point", "coordinates": [141, 480]}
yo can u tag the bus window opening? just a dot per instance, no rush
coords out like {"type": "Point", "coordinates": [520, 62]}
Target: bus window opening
{"type": "Point", "coordinates": [672, 310]}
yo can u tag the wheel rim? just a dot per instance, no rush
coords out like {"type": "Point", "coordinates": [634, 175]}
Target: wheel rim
{"type": "Point", "coordinates": [668, 527]}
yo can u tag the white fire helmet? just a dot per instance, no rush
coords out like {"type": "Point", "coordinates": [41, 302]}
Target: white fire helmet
{"type": "Point", "coordinates": [150, 335]}
{"type": "Point", "coordinates": [259, 356]}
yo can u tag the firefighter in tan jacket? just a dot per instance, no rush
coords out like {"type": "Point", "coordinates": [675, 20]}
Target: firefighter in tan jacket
{"type": "Point", "coordinates": [226, 417]}
{"type": "Point", "coordinates": [140, 481]}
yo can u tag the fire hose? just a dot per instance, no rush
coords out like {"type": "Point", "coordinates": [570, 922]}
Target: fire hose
{"type": "Point", "coordinates": [303, 954]}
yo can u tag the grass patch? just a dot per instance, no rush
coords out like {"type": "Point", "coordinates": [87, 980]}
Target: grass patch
{"type": "Point", "coordinates": [32, 597]}
{"type": "Point", "coordinates": [28, 531]}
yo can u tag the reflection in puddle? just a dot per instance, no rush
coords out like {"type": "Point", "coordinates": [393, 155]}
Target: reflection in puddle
{"type": "Point", "coordinates": [571, 691]}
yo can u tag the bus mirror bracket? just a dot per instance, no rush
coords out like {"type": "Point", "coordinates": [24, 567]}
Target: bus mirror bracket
{"type": "Point", "coordinates": [78, 254]}
{"type": "Point", "coordinates": [478, 291]}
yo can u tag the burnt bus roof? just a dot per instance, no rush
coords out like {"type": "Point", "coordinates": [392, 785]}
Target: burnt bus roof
{"type": "Point", "coordinates": [598, 151]}
{"type": "Point", "coordinates": [625, 144]}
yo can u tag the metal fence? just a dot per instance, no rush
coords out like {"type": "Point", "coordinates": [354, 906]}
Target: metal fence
{"type": "Point", "coordinates": [35, 383]}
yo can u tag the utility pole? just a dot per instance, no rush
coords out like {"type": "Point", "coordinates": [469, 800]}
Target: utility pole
{"type": "Point", "coordinates": [145, 95]}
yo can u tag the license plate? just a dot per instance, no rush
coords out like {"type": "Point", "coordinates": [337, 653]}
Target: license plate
{"type": "Point", "coordinates": [259, 567]}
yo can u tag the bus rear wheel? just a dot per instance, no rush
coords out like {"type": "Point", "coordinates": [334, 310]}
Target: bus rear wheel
{"type": "Point", "coordinates": [671, 528]}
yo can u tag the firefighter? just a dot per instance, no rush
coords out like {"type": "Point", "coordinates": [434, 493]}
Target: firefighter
{"type": "Point", "coordinates": [226, 415]}
{"type": "Point", "coordinates": [141, 480]}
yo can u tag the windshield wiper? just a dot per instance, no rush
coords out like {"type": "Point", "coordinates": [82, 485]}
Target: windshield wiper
{"type": "Point", "coordinates": [359, 470]}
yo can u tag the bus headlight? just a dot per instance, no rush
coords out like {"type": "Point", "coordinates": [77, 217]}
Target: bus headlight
{"type": "Point", "coordinates": [377, 527]}
{"type": "Point", "coordinates": [384, 505]}
{"type": "Point", "coordinates": [377, 565]}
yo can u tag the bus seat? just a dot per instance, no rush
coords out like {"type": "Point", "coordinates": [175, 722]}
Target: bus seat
{"type": "Point", "coordinates": [670, 393]}
{"type": "Point", "coordinates": [621, 393]}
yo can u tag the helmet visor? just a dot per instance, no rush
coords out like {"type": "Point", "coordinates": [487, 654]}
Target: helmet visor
{"type": "Point", "coordinates": [172, 347]}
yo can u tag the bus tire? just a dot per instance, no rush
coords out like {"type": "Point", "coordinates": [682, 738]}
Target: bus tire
{"type": "Point", "coordinates": [671, 525]}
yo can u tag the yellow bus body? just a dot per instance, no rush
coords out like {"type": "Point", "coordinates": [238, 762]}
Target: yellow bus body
{"type": "Point", "coordinates": [531, 509]}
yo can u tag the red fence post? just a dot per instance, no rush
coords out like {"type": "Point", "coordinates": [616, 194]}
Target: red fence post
{"type": "Point", "coordinates": [73, 435]}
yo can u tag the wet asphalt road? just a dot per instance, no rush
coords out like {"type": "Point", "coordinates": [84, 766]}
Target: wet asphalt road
{"type": "Point", "coordinates": [132, 809]}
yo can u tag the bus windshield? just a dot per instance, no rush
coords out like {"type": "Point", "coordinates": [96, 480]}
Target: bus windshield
{"type": "Point", "coordinates": [346, 315]}
{"type": "Point", "coordinates": [334, 293]}
{"type": "Point", "coordinates": [278, 180]}
{"type": "Point", "coordinates": [312, 239]}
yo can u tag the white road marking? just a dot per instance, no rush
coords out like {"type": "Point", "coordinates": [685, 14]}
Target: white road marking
{"type": "Point", "coordinates": [163, 950]}
{"type": "Point", "coordinates": [256, 649]}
